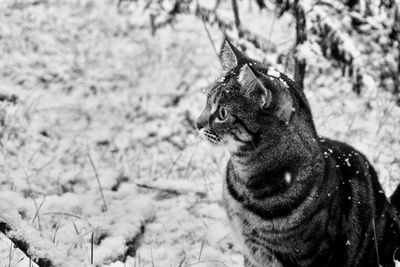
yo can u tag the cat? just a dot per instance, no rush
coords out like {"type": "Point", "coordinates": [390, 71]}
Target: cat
{"type": "Point", "coordinates": [293, 198]}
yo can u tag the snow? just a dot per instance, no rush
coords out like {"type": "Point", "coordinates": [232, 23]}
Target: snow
{"type": "Point", "coordinates": [347, 162]}
{"type": "Point", "coordinates": [310, 52]}
{"type": "Point", "coordinates": [274, 73]}
{"type": "Point", "coordinates": [89, 83]}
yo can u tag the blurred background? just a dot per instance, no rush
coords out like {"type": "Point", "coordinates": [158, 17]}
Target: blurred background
{"type": "Point", "coordinates": [99, 157]}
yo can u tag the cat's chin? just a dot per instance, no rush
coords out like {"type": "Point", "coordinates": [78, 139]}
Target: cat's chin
{"type": "Point", "coordinates": [230, 144]}
{"type": "Point", "coordinates": [226, 143]}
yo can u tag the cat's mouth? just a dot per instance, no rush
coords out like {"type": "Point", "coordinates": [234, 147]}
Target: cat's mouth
{"type": "Point", "coordinates": [215, 140]}
{"type": "Point", "coordinates": [227, 141]}
{"type": "Point", "coordinates": [210, 137]}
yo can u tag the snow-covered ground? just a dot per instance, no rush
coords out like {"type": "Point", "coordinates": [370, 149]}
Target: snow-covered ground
{"type": "Point", "coordinates": [101, 140]}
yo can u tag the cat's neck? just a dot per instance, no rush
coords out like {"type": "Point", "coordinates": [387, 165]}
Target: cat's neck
{"type": "Point", "coordinates": [277, 180]}
{"type": "Point", "coordinates": [292, 152]}
{"type": "Point", "coordinates": [259, 161]}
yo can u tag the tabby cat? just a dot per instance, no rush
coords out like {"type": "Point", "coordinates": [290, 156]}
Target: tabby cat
{"type": "Point", "coordinates": [292, 197]}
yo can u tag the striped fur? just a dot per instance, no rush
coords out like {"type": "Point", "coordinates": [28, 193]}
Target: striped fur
{"type": "Point", "coordinates": [292, 197]}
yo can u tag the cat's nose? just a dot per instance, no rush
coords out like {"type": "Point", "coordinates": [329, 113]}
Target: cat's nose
{"type": "Point", "coordinates": [199, 125]}
{"type": "Point", "coordinates": [202, 120]}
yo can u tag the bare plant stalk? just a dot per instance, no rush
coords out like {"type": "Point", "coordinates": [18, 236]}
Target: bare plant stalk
{"type": "Point", "coordinates": [237, 18]}
{"type": "Point", "coordinates": [201, 250]}
{"type": "Point", "coordinates": [209, 37]}
{"type": "Point", "coordinates": [91, 248]}
{"type": "Point", "coordinates": [301, 37]}
{"type": "Point", "coordinates": [207, 31]}
{"type": "Point", "coordinates": [38, 210]}
{"type": "Point", "coordinates": [98, 182]}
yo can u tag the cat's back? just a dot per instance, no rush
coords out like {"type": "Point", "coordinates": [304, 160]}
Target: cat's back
{"type": "Point", "coordinates": [348, 160]}
{"type": "Point", "coordinates": [362, 204]}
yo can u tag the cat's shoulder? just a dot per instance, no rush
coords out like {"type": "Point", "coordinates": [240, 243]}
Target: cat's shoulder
{"type": "Point", "coordinates": [348, 159]}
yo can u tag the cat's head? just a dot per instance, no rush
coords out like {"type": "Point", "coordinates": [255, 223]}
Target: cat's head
{"type": "Point", "coordinates": [249, 104]}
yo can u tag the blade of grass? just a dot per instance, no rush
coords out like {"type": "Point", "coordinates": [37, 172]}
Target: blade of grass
{"type": "Point", "coordinates": [38, 209]}
{"type": "Point", "coordinates": [201, 250]}
{"type": "Point", "coordinates": [98, 182]}
{"type": "Point", "coordinates": [91, 248]}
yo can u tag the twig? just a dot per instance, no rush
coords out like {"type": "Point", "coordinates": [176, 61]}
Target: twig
{"type": "Point", "coordinates": [211, 17]}
{"type": "Point", "coordinates": [201, 250]}
{"type": "Point", "coordinates": [98, 182]}
{"type": "Point", "coordinates": [173, 164]}
{"type": "Point", "coordinates": [182, 261]}
{"type": "Point", "coordinates": [272, 27]}
{"type": "Point", "coordinates": [76, 228]}
{"type": "Point", "coordinates": [167, 190]}
{"type": "Point", "coordinates": [237, 18]}
{"type": "Point", "coordinates": [91, 248]}
{"type": "Point", "coordinates": [38, 209]}
{"type": "Point", "coordinates": [55, 233]}
{"type": "Point", "coordinates": [208, 33]}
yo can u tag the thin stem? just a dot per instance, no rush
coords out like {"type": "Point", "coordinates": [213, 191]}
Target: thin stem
{"type": "Point", "coordinates": [98, 182]}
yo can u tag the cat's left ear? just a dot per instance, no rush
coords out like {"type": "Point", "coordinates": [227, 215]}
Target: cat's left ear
{"type": "Point", "coordinates": [252, 84]}
{"type": "Point", "coordinates": [272, 94]}
{"type": "Point", "coordinates": [230, 56]}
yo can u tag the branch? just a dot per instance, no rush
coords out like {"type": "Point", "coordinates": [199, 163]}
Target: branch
{"type": "Point", "coordinates": [236, 15]}
{"type": "Point", "coordinates": [26, 238]}
{"type": "Point", "coordinates": [209, 36]}
{"type": "Point", "coordinates": [153, 187]}
{"type": "Point", "coordinates": [212, 18]}
{"type": "Point", "coordinates": [22, 245]}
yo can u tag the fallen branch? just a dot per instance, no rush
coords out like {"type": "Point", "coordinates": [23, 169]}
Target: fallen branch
{"type": "Point", "coordinates": [152, 187]}
{"type": "Point", "coordinates": [23, 246]}
{"type": "Point", "coordinates": [171, 187]}
{"type": "Point", "coordinates": [26, 238]}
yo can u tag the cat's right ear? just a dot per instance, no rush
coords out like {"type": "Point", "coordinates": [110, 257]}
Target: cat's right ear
{"type": "Point", "coordinates": [230, 56]}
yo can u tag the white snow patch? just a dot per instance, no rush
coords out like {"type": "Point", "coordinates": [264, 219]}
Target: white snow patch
{"type": "Point", "coordinates": [273, 72]}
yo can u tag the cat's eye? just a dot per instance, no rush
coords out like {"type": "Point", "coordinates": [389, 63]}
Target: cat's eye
{"type": "Point", "coordinates": [222, 114]}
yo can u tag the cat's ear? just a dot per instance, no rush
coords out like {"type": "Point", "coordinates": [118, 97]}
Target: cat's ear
{"type": "Point", "coordinates": [271, 92]}
{"type": "Point", "coordinates": [230, 56]}
{"type": "Point", "coordinates": [250, 82]}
